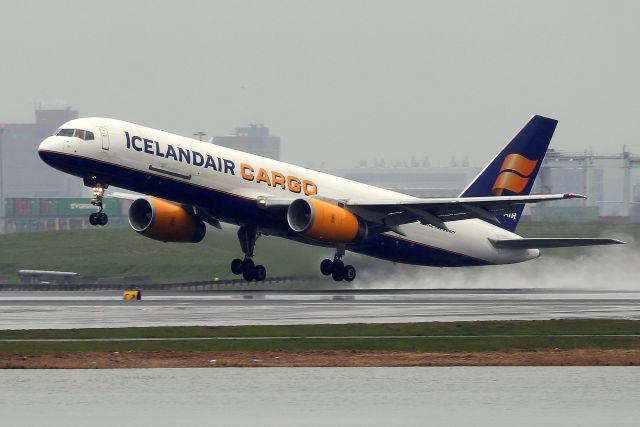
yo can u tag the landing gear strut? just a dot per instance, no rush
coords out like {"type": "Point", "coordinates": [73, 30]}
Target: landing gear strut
{"type": "Point", "coordinates": [248, 236]}
{"type": "Point", "coordinates": [98, 218]}
{"type": "Point", "coordinates": [336, 268]}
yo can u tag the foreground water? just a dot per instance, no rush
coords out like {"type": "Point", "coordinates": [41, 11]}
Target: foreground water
{"type": "Point", "coordinates": [580, 396]}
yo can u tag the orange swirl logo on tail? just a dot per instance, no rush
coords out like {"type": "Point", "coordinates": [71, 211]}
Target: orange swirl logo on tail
{"type": "Point", "coordinates": [514, 174]}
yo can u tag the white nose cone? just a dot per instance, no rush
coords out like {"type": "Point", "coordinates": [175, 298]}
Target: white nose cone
{"type": "Point", "coordinates": [51, 143]}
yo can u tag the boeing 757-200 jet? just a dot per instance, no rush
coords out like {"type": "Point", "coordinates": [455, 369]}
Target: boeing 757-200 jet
{"type": "Point", "coordinates": [188, 183]}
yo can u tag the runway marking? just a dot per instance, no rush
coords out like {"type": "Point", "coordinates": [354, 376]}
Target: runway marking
{"type": "Point", "coordinates": [356, 337]}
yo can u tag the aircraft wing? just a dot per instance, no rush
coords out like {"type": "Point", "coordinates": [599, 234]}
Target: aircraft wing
{"type": "Point", "coordinates": [539, 243]}
{"type": "Point", "coordinates": [438, 211]}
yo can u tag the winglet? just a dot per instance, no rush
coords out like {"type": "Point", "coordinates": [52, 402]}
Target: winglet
{"type": "Point", "coordinates": [573, 196]}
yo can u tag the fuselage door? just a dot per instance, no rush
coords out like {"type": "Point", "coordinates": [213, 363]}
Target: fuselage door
{"type": "Point", "coordinates": [105, 137]}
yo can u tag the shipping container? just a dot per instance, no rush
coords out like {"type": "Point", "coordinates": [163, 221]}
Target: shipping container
{"type": "Point", "coordinates": [48, 207]}
{"type": "Point", "coordinates": [9, 208]}
{"type": "Point", "coordinates": [79, 207]}
{"type": "Point", "coordinates": [10, 226]}
{"type": "Point", "coordinates": [58, 207]}
{"type": "Point", "coordinates": [22, 225]}
{"type": "Point", "coordinates": [77, 224]}
{"type": "Point", "coordinates": [22, 207]}
{"type": "Point", "coordinates": [25, 207]}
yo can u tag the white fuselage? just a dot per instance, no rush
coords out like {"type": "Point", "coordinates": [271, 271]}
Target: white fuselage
{"type": "Point", "coordinates": [229, 183]}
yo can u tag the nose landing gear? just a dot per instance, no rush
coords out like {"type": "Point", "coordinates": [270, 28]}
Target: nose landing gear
{"type": "Point", "coordinates": [248, 236]}
{"type": "Point", "coordinates": [98, 218]}
{"type": "Point", "coordinates": [336, 268]}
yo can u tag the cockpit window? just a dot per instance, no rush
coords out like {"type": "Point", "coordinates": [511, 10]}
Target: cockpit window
{"type": "Point", "coordinates": [78, 133]}
{"type": "Point", "coordinates": [64, 132]}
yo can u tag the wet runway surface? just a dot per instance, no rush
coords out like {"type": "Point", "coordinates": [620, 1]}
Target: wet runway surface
{"type": "Point", "coordinates": [42, 310]}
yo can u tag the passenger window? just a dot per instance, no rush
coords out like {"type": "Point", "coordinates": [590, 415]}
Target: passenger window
{"type": "Point", "coordinates": [79, 133]}
{"type": "Point", "coordinates": [65, 132]}
{"type": "Point", "coordinates": [88, 136]}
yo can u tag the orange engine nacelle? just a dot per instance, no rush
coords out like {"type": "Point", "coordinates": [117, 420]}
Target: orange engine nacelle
{"type": "Point", "coordinates": [165, 221]}
{"type": "Point", "coordinates": [325, 222]}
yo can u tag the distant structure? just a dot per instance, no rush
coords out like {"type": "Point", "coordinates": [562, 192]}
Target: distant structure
{"type": "Point", "coordinates": [610, 180]}
{"type": "Point", "coordinates": [417, 179]}
{"type": "Point", "coordinates": [254, 139]}
{"type": "Point", "coordinates": [22, 173]}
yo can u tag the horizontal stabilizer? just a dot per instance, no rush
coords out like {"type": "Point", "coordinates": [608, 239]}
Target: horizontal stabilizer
{"type": "Point", "coordinates": [540, 243]}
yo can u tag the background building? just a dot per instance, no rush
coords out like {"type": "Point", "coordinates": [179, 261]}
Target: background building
{"type": "Point", "coordinates": [417, 180]}
{"type": "Point", "coordinates": [254, 139]}
{"type": "Point", "coordinates": [22, 173]}
{"type": "Point", "coordinates": [611, 181]}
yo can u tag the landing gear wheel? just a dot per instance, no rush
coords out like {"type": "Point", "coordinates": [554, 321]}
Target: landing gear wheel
{"type": "Point", "coordinates": [259, 273]}
{"type": "Point", "coordinates": [236, 266]}
{"type": "Point", "coordinates": [326, 267]}
{"type": "Point", "coordinates": [248, 275]}
{"type": "Point", "coordinates": [337, 276]}
{"type": "Point", "coordinates": [93, 218]}
{"type": "Point", "coordinates": [103, 219]}
{"type": "Point", "coordinates": [247, 265]}
{"type": "Point", "coordinates": [247, 235]}
{"type": "Point", "coordinates": [338, 266]}
{"type": "Point", "coordinates": [349, 273]}
{"type": "Point", "coordinates": [248, 268]}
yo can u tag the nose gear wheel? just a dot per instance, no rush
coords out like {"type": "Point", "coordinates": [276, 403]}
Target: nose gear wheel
{"type": "Point", "coordinates": [98, 218]}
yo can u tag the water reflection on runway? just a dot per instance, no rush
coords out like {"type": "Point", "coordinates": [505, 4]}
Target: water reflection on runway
{"type": "Point", "coordinates": [31, 310]}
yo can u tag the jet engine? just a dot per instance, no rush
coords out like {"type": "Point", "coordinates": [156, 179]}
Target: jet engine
{"type": "Point", "coordinates": [326, 222]}
{"type": "Point", "coordinates": [165, 221]}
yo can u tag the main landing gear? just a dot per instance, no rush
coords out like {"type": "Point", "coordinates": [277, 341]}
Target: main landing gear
{"type": "Point", "coordinates": [337, 269]}
{"type": "Point", "coordinates": [98, 218]}
{"type": "Point", "coordinates": [248, 236]}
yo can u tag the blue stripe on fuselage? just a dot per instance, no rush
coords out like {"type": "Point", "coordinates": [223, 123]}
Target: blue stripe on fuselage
{"type": "Point", "coordinates": [237, 209]}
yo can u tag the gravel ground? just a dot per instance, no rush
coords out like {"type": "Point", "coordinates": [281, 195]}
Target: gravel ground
{"type": "Point", "coordinates": [192, 359]}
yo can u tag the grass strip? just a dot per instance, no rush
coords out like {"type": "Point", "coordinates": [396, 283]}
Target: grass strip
{"type": "Point", "coordinates": [483, 328]}
{"type": "Point", "coordinates": [449, 336]}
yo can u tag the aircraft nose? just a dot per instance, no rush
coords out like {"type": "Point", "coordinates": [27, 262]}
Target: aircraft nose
{"type": "Point", "coordinates": [51, 143]}
{"type": "Point", "coordinates": [48, 150]}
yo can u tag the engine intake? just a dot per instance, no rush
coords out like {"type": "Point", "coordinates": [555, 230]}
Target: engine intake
{"type": "Point", "coordinates": [323, 221]}
{"type": "Point", "coordinates": [165, 221]}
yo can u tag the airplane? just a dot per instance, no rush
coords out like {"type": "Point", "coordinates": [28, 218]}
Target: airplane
{"type": "Point", "coordinates": [186, 183]}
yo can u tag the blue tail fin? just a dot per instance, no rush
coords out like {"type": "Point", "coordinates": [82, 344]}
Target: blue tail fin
{"type": "Point", "coordinates": [514, 169]}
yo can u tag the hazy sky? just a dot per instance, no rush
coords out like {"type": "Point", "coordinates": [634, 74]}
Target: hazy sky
{"type": "Point", "coordinates": [337, 80]}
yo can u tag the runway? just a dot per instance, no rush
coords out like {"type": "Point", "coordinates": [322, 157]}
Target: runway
{"type": "Point", "coordinates": [57, 310]}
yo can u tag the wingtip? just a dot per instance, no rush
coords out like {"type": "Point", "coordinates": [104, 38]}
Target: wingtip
{"type": "Point", "coordinates": [574, 196]}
